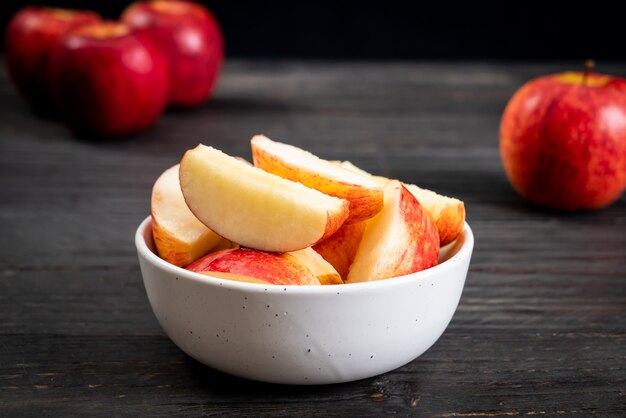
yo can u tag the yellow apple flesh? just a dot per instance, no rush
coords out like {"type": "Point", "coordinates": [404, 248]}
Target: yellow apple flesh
{"type": "Point", "coordinates": [254, 208]}
{"type": "Point", "coordinates": [180, 238]}
{"type": "Point", "coordinates": [448, 213]}
{"type": "Point", "coordinates": [233, 277]}
{"type": "Point", "coordinates": [340, 248]}
{"type": "Point", "coordinates": [401, 239]}
{"type": "Point", "coordinates": [322, 269]}
{"type": "Point", "coordinates": [364, 194]}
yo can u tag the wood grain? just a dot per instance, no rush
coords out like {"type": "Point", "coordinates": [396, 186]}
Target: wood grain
{"type": "Point", "coordinates": [540, 330]}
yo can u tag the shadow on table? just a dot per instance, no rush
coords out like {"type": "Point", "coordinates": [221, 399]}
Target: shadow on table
{"type": "Point", "coordinates": [235, 104]}
{"type": "Point", "coordinates": [220, 383]}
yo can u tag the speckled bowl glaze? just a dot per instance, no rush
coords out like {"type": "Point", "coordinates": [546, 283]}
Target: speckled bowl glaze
{"type": "Point", "coordinates": [304, 334]}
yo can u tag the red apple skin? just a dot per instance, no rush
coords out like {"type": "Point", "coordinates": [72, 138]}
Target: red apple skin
{"type": "Point", "coordinates": [421, 250]}
{"type": "Point", "coordinates": [30, 38]}
{"type": "Point", "coordinates": [108, 81]}
{"type": "Point", "coordinates": [192, 41]}
{"type": "Point", "coordinates": [563, 143]}
{"type": "Point", "coordinates": [274, 268]}
{"type": "Point", "coordinates": [340, 248]}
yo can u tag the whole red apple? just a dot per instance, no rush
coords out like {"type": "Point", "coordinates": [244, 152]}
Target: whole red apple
{"type": "Point", "coordinates": [108, 81]}
{"type": "Point", "coordinates": [563, 140]}
{"type": "Point", "coordinates": [191, 40]}
{"type": "Point", "coordinates": [30, 37]}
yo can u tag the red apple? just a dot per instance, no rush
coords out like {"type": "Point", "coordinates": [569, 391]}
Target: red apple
{"type": "Point", "coordinates": [563, 140]}
{"type": "Point", "coordinates": [108, 81]}
{"type": "Point", "coordinates": [192, 41]}
{"type": "Point", "coordinates": [30, 37]}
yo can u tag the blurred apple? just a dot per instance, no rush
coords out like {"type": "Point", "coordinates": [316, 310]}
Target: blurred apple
{"type": "Point", "coordinates": [191, 39]}
{"type": "Point", "coordinates": [563, 140]}
{"type": "Point", "coordinates": [30, 37]}
{"type": "Point", "coordinates": [108, 81]}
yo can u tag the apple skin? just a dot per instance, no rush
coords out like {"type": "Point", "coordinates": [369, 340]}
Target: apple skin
{"type": "Point", "coordinates": [192, 41]}
{"type": "Point", "coordinates": [30, 38]}
{"type": "Point", "coordinates": [401, 239]}
{"type": "Point", "coordinates": [563, 141]}
{"type": "Point", "coordinates": [340, 248]}
{"type": "Point", "coordinates": [364, 193]}
{"type": "Point", "coordinates": [274, 268]}
{"type": "Point", "coordinates": [448, 213]}
{"type": "Point", "coordinates": [108, 81]}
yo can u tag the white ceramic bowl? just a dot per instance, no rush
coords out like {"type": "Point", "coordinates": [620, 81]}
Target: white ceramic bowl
{"type": "Point", "coordinates": [304, 334]}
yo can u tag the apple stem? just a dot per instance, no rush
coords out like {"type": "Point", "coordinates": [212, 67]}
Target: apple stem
{"type": "Point", "coordinates": [588, 68]}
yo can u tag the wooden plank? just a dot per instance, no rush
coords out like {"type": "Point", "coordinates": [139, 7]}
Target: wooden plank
{"type": "Point", "coordinates": [540, 330]}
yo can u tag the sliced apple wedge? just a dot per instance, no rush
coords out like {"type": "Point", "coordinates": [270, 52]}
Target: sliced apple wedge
{"type": "Point", "coordinates": [324, 271]}
{"type": "Point", "coordinates": [224, 244]}
{"type": "Point", "coordinates": [401, 239]}
{"type": "Point", "coordinates": [380, 180]}
{"type": "Point", "coordinates": [242, 263]}
{"type": "Point", "coordinates": [447, 212]}
{"type": "Point", "coordinates": [234, 277]}
{"type": "Point", "coordinates": [340, 248]}
{"type": "Point", "coordinates": [364, 194]}
{"type": "Point", "coordinates": [254, 208]}
{"type": "Point", "coordinates": [180, 238]}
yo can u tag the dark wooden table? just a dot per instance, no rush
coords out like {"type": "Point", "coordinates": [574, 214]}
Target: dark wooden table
{"type": "Point", "coordinates": [540, 329]}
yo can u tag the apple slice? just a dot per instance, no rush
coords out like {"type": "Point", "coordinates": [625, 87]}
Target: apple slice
{"type": "Point", "coordinates": [234, 277]}
{"type": "Point", "coordinates": [447, 212]}
{"type": "Point", "coordinates": [324, 271]}
{"type": "Point", "coordinates": [365, 196]}
{"type": "Point", "coordinates": [180, 238]}
{"type": "Point", "coordinates": [340, 248]}
{"type": "Point", "coordinates": [224, 244]}
{"type": "Point", "coordinates": [282, 269]}
{"type": "Point", "coordinates": [401, 239]}
{"type": "Point", "coordinates": [254, 208]}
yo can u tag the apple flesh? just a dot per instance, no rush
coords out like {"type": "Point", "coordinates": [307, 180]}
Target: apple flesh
{"type": "Point", "coordinates": [30, 38]}
{"type": "Point", "coordinates": [107, 81]}
{"type": "Point", "coordinates": [400, 240]}
{"type": "Point", "coordinates": [448, 213]}
{"type": "Point", "coordinates": [563, 140]}
{"type": "Point", "coordinates": [340, 248]}
{"type": "Point", "coordinates": [234, 277]}
{"type": "Point", "coordinates": [180, 238]}
{"type": "Point", "coordinates": [191, 39]}
{"type": "Point", "coordinates": [254, 208]}
{"type": "Point", "coordinates": [323, 270]}
{"type": "Point", "coordinates": [243, 263]}
{"type": "Point", "coordinates": [364, 194]}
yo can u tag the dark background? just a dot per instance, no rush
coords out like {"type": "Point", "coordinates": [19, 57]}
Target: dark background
{"type": "Point", "coordinates": [523, 30]}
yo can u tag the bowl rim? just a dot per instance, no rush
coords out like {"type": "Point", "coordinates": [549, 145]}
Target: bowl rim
{"type": "Point", "coordinates": [463, 253]}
